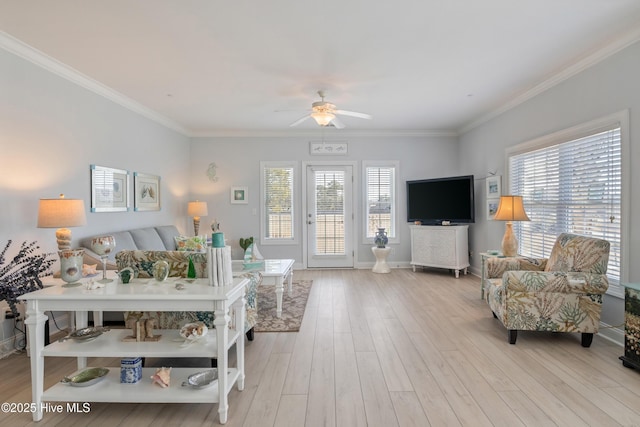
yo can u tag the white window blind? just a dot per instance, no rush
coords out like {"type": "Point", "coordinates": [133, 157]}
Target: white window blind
{"type": "Point", "coordinates": [278, 203]}
{"type": "Point", "coordinates": [330, 212]}
{"type": "Point", "coordinates": [573, 187]}
{"type": "Point", "coordinates": [380, 200]}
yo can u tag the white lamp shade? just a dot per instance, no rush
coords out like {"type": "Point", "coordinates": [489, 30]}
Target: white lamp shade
{"type": "Point", "coordinates": [322, 118]}
{"type": "Point", "coordinates": [197, 208]}
{"type": "Point", "coordinates": [57, 213]}
{"type": "Point", "coordinates": [511, 209]}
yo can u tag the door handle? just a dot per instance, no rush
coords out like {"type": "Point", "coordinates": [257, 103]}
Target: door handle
{"type": "Point", "coordinates": [309, 222]}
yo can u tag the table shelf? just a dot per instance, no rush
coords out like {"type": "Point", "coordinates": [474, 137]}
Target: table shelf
{"type": "Point", "coordinates": [111, 390]}
{"type": "Point", "coordinates": [110, 344]}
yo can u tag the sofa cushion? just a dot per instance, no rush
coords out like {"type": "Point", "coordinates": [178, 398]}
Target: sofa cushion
{"type": "Point", "coordinates": [167, 233]}
{"type": "Point", "coordinates": [143, 261]}
{"type": "Point", "coordinates": [147, 239]}
{"type": "Point", "coordinates": [193, 244]}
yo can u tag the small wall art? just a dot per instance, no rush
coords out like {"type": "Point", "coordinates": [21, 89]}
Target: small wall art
{"type": "Point", "coordinates": [492, 208]}
{"type": "Point", "coordinates": [494, 187]}
{"type": "Point", "coordinates": [146, 189]}
{"type": "Point", "coordinates": [328, 148]}
{"type": "Point", "coordinates": [109, 189]}
{"type": "Point", "coordinates": [240, 195]}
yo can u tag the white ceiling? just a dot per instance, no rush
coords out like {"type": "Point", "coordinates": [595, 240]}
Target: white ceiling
{"type": "Point", "coordinates": [208, 67]}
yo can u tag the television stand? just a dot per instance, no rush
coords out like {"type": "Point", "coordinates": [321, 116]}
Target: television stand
{"type": "Point", "coordinates": [440, 246]}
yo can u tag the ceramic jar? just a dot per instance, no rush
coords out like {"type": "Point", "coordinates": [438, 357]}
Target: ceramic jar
{"type": "Point", "coordinates": [71, 264]}
{"type": "Point", "coordinates": [161, 270]}
{"type": "Point", "coordinates": [381, 238]}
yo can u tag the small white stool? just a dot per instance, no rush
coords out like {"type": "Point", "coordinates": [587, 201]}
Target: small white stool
{"type": "Point", "coordinates": [381, 255]}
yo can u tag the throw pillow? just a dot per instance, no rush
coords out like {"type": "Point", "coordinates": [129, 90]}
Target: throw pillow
{"type": "Point", "coordinates": [192, 244]}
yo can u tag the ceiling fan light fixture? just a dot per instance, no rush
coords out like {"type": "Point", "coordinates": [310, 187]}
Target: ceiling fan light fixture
{"type": "Point", "coordinates": [323, 118]}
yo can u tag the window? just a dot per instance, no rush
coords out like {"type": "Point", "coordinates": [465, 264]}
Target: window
{"type": "Point", "coordinates": [380, 199]}
{"type": "Point", "coordinates": [278, 223]}
{"type": "Point", "coordinates": [571, 184]}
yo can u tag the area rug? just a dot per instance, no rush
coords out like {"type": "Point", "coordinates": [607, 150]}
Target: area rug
{"type": "Point", "coordinates": [292, 307]}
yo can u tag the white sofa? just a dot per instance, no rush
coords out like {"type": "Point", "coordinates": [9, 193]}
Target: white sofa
{"type": "Point", "coordinates": [160, 238]}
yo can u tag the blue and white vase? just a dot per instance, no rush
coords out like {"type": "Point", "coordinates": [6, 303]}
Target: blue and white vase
{"type": "Point", "coordinates": [381, 238]}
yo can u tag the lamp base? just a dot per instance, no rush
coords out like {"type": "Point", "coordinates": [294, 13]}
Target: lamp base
{"type": "Point", "coordinates": [509, 241]}
{"type": "Point", "coordinates": [63, 237]}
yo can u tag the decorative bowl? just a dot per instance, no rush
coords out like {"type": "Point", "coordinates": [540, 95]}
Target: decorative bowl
{"type": "Point", "coordinates": [202, 379]}
{"type": "Point", "coordinates": [193, 331]}
{"type": "Point", "coordinates": [85, 334]}
{"type": "Point", "coordinates": [87, 377]}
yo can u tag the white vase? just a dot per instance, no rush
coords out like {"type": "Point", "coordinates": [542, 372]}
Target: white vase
{"type": "Point", "coordinates": [71, 265]}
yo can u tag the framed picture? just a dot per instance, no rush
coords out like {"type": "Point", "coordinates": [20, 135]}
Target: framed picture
{"type": "Point", "coordinates": [109, 189]}
{"type": "Point", "coordinates": [328, 148]}
{"type": "Point", "coordinates": [146, 190]}
{"type": "Point", "coordinates": [240, 195]}
{"type": "Point", "coordinates": [494, 187]}
{"type": "Point", "coordinates": [492, 208]}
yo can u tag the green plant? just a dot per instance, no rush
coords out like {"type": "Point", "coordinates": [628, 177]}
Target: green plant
{"type": "Point", "coordinates": [22, 273]}
{"type": "Point", "coordinates": [245, 243]}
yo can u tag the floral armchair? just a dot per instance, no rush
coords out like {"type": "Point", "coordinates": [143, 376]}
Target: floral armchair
{"type": "Point", "coordinates": [561, 294]}
{"type": "Point", "coordinates": [142, 262]}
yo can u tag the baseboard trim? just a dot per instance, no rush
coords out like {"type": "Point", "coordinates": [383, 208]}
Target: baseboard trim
{"type": "Point", "coordinates": [612, 333]}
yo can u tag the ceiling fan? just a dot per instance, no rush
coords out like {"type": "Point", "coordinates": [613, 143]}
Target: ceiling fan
{"type": "Point", "coordinates": [324, 113]}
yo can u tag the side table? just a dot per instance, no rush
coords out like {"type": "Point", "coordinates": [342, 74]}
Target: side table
{"type": "Point", "coordinates": [631, 358]}
{"type": "Point", "coordinates": [381, 255]}
{"type": "Point", "coordinates": [483, 276]}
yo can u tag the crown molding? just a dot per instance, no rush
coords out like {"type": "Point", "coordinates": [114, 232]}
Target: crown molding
{"type": "Point", "coordinates": [39, 58]}
{"type": "Point", "coordinates": [317, 133]}
{"type": "Point", "coordinates": [620, 43]}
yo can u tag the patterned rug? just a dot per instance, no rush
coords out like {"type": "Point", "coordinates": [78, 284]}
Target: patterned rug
{"type": "Point", "coordinates": [292, 307]}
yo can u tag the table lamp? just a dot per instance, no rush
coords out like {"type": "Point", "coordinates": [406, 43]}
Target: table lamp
{"type": "Point", "coordinates": [510, 209]}
{"type": "Point", "coordinates": [61, 213]}
{"type": "Point", "coordinates": [196, 210]}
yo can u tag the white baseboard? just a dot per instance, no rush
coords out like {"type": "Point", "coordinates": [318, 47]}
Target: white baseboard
{"type": "Point", "coordinates": [613, 334]}
{"type": "Point", "coordinates": [10, 345]}
{"type": "Point", "coordinates": [15, 340]}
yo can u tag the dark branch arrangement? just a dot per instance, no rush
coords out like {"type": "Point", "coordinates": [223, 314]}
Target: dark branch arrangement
{"type": "Point", "coordinates": [22, 274]}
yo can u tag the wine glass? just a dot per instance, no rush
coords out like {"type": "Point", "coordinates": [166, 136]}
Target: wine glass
{"type": "Point", "coordinates": [103, 246]}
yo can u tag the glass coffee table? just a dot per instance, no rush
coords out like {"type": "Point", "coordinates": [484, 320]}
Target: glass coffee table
{"type": "Point", "coordinates": [274, 271]}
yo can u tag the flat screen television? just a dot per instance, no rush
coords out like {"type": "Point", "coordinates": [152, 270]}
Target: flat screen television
{"type": "Point", "coordinates": [433, 201]}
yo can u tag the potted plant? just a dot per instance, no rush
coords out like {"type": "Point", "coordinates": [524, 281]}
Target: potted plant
{"type": "Point", "coordinates": [22, 273]}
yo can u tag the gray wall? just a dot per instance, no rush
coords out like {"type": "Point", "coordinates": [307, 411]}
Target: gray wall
{"type": "Point", "coordinates": [608, 87]}
{"type": "Point", "coordinates": [238, 160]}
{"type": "Point", "coordinates": [51, 130]}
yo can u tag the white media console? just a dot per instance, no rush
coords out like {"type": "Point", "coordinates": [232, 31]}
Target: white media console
{"type": "Point", "coordinates": [441, 246]}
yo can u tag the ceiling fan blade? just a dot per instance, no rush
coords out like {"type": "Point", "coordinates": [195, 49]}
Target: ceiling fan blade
{"type": "Point", "coordinates": [353, 114]}
{"type": "Point", "coordinates": [337, 123]}
{"type": "Point", "coordinates": [300, 120]}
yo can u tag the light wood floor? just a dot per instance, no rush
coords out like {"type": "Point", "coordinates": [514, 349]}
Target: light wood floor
{"type": "Point", "coordinates": [401, 349]}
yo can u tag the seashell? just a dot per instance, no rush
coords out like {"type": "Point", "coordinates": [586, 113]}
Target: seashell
{"type": "Point", "coordinates": [162, 377]}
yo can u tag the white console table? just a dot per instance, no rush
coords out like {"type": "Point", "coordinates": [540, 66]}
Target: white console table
{"type": "Point", "coordinates": [439, 246]}
{"type": "Point", "coordinates": [145, 295]}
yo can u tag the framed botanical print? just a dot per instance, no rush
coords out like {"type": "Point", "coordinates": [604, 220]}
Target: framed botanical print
{"type": "Point", "coordinates": [146, 190]}
{"type": "Point", "coordinates": [492, 208]}
{"type": "Point", "coordinates": [109, 189]}
{"type": "Point", "coordinates": [494, 187]}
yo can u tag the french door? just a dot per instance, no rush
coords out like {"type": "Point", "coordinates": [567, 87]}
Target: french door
{"type": "Point", "coordinates": [329, 216]}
